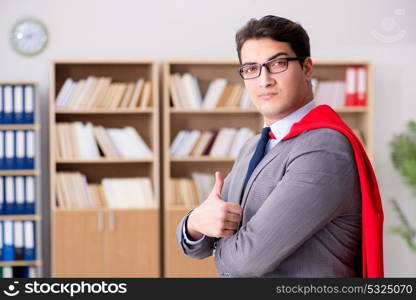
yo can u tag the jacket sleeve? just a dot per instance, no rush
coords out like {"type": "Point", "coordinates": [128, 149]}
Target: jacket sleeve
{"type": "Point", "coordinates": [316, 187]}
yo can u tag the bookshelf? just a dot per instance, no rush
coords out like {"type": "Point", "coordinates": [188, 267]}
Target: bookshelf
{"type": "Point", "coordinates": [176, 119]}
{"type": "Point", "coordinates": [103, 241]}
{"type": "Point", "coordinates": [20, 108]}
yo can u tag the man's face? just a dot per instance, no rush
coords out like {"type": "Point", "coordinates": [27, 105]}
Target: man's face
{"type": "Point", "coordinates": [276, 95]}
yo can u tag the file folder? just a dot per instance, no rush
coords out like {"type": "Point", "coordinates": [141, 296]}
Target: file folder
{"type": "Point", "coordinates": [10, 195]}
{"type": "Point", "coordinates": [18, 240]}
{"type": "Point", "coordinates": [9, 149]}
{"type": "Point", "coordinates": [29, 242]}
{"type": "Point", "coordinates": [18, 104]}
{"type": "Point", "coordinates": [29, 104]}
{"type": "Point", "coordinates": [20, 149]}
{"type": "Point", "coordinates": [30, 193]}
{"type": "Point", "coordinates": [8, 246]}
{"type": "Point", "coordinates": [30, 149]}
{"type": "Point", "coordinates": [8, 104]}
{"type": "Point", "coordinates": [20, 208]}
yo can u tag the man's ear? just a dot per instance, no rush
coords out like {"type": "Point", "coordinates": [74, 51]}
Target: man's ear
{"type": "Point", "coordinates": [307, 68]}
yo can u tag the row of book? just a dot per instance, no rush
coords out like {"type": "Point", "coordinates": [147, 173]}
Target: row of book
{"type": "Point", "coordinates": [17, 240]}
{"type": "Point", "coordinates": [74, 192]}
{"type": "Point", "coordinates": [79, 140]}
{"type": "Point", "coordinates": [343, 93]}
{"type": "Point", "coordinates": [190, 192]}
{"type": "Point", "coordinates": [225, 142]}
{"type": "Point", "coordinates": [100, 92]}
{"type": "Point", "coordinates": [17, 195]}
{"type": "Point", "coordinates": [17, 103]}
{"type": "Point", "coordinates": [17, 149]}
{"type": "Point", "coordinates": [18, 272]}
{"type": "Point", "coordinates": [185, 93]}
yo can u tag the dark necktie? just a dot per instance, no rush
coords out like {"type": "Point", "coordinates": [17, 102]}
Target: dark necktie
{"type": "Point", "coordinates": [258, 154]}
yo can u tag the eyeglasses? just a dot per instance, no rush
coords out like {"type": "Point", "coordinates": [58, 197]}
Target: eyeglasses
{"type": "Point", "coordinates": [273, 66]}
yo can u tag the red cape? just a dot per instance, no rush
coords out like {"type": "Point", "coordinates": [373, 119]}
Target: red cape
{"type": "Point", "coordinates": [323, 116]}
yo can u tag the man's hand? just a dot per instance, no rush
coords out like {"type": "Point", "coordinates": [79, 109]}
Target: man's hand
{"type": "Point", "coordinates": [214, 217]}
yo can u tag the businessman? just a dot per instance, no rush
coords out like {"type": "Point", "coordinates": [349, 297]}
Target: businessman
{"type": "Point", "coordinates": [301, 199]}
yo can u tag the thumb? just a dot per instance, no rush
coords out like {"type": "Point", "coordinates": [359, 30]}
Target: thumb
{"type": "Point", "coordinates": [219, 181]}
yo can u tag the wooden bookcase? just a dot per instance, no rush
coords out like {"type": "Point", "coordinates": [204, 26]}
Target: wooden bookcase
{"type": "Point", "coordinates": [174, 120]}
{"type": "Point", "coordinates": [106, 242]}
{"type": "Point", "coordinates": [36, 172]}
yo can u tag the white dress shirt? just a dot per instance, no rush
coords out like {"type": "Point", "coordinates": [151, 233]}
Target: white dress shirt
{"type": "Point", "coordinates": [280, 129]}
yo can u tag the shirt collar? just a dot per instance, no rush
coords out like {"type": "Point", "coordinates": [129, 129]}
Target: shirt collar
{"type": "Point", "coordinates": [282, 127]}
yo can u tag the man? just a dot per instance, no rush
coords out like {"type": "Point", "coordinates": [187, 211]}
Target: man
{"type": "Point", "coordinates": [301, 199]}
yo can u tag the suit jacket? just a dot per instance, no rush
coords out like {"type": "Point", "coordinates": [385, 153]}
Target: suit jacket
{"type": "Point", "coordinates": [301, 212]}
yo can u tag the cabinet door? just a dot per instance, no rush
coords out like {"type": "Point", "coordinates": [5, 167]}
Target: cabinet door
{"type": "Point", "coordinates": [78, 244]}
{"type": "Point", "coordinates": [133, 243]}
{"type": "Point", "coordinates": [176, 263]}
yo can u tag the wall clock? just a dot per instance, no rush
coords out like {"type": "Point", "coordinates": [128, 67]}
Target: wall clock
{"type": "Point", "coordinates": [29, 37]}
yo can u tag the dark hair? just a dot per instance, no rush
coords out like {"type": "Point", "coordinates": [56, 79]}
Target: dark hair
{"type": "Point", "coordinates": [278, 29]}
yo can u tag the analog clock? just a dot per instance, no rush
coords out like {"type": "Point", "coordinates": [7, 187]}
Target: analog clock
{"type": "Point", "coordinates": [29, 37]}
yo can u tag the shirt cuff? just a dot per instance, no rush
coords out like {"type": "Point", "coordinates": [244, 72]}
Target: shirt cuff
{"type": "Point", "coordinates": [188, 241]}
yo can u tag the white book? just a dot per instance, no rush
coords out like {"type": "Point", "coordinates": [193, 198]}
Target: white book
{"type": "Point", "coordinates": [204, 183]}
{"type": "Point", "coordinates": [90, 142]}
{"type": "Point", "coordinates": [191, 87]}
{"type": "Point", "coordinates": [214, 92]}
{"type": "Point", "coordinates": [206, 138]}
{"type": "Point", "coordinates": [63, 93]}
{"type": "Point", "coordinates": [74, 97]}
{"type": "Point", "coordinates": [137, 143]}
{"type": "Point", "coordinates": [240, 139]}
{"type": "Point", "coordinates": [189, 143]}
{"type": "Point", "coordinates": [182, 91]}
{"type": "Point", "coordinates": [223, 142]}
{"type": "Point", "coordinates": [174, 93]}
{"type": "Point", "coordinates": [176, 142]}
{"type": "Point", "coordinates": [245, 100]}
{"type": "Point", "coordinates": [176, 147]}
{"type": "Point", "coordinates": [116, 138]}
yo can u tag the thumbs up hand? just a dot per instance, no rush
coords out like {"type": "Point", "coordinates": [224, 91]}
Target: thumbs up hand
{"type": "Point", "coordinates": [214, 217]}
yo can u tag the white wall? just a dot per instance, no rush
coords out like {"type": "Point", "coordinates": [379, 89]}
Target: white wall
{"type": "Point", "coordinates": [205, 29]}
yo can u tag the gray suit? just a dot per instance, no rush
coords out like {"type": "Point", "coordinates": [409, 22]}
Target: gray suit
{"type": "Point", "coordinates": [301, 212]}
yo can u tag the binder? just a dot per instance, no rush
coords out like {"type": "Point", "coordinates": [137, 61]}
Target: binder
{"type": "Point", "coordinates": [8, 246]}
{"type": "Point", "coordinates": [20, 149]}
{"type": "Point", "coordinates": [1, 105]}
{"type": "Point", "coordinates": [10, 195]}
{"type": "Point", "coordinates": [30, 149]}
{"type": "Point", "coordinates": [29, 104]}
{"type": "Point", "coordinates": [18, 240]}
{"type": "Point", "coordinates": [9, 142]}
{"type": "Point", "coordinates": [21, 272]}
{"type": "Point", "coordinates": [7, 272]}
{"type": "Point", "coordinates": [1, 240]}
{"type": "Point", "coordinates": [361, 86]}
{"type": "Point", "coordinates": [29, 241]}
{"type": "Point", "coordinates": [20, 195]}
{"type": "Point", "coordinates": [30, 195]}
{"type": "Point", "coordinates": [351, 86]}
{"type": "Point", "coordinates": [18, 104]}
{"type": "Point", "coordinates": [2, 195]}
{"type": "Point", "coordinates": [33, 272]}
{"type": "Point", "coordinates": [8, 104]}
{"type": "Point", "coordinates": [2, 155]}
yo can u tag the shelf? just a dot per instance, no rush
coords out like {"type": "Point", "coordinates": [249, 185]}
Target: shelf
{"type": "Point", "coordinates": [214, 111]}
{"type": "Point", "coordinates": [19, 263]}
{"type": "Point", "coordinates": [19, 127]}
{"type": "Point", "coordinates": [103, 161]}
{"type": "Point", "coordinates": [105, 111]}
{"type": "Point", "coordinates": [20, 217]}
{"type": "Point", "coordinates": [202, 159]}
{"type": "Point", "coordinates": [19, 172]}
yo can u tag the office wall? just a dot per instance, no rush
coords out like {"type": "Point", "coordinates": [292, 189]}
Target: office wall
{"type": "Point", "coordinates": [205, 30]}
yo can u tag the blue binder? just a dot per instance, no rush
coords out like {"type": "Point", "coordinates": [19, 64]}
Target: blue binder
{"type": "Point", "coordinates": [8, 245]}
{"type": "Point", "coordinates": [10, 200]}
{"type": "Point", "coordinates": [9, 144]}
{"type": "Point", "coordinates": [29, 252]}
{"type": "Point", "coordinates": [2, 149]}
{"type": "Point", "coordinates": [1, 240]}
{"type": "Point", "coordinates": [20, 206]}
{"type": "Point", "coordinates": [30, 149]}
{"type": "Point", "coordinates": [20, 149]}
{"type": "Point", "coordinates": [30, 195]}
{"type": "Point", "coordinates": [18, 98]}
{"type": "Point", "coordinates": [29, 104]}
{"type": "Point", "coordinates": [1, 105]}
{"type": "Point", "coordinates": [8, 107]}
{"type": "Point", "coordinates": [2, 195]}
